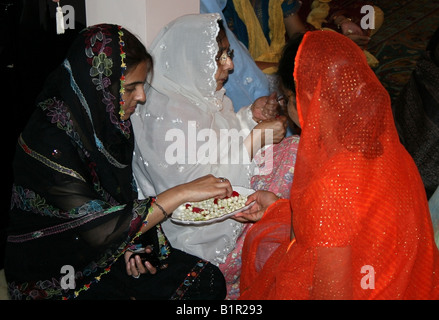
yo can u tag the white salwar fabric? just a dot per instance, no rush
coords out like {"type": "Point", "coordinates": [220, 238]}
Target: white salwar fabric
{"type": "Point", "coordinates": [183, 117]}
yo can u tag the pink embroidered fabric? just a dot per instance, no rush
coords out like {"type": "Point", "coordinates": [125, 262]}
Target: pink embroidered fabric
{"type": "Point", "coordinates": [276, 175]}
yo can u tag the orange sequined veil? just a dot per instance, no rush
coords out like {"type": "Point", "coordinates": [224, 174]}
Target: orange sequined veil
{"type": "Point", "coordinates": [361, 223]}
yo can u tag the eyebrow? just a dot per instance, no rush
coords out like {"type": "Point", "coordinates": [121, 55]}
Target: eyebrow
{"type": "Point", "coordinates": [221, 49]}
{"type": "Point", "coordinates": [132, 84]}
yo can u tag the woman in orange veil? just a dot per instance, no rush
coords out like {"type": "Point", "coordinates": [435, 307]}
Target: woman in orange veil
{"type": "Point", "coordinates": [357, 224]}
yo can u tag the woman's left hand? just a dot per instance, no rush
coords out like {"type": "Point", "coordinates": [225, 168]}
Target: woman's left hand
{"type": "Point", "coordinates": [135, 267]}
{"type": "Point", "coordinates": [263, 199]}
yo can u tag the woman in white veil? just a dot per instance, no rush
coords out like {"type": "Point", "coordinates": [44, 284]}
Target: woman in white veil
{"type": "Point", "coordinates": [188, 128]}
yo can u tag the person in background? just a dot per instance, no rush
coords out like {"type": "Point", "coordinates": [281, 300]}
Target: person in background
{"type": "Point", "coordinates": [263, 26]}
{"type": "Point", "coordinates": [247, 82]}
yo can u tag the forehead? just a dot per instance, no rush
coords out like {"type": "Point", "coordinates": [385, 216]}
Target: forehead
{"type": "Point", "coordinates": [138, 73]}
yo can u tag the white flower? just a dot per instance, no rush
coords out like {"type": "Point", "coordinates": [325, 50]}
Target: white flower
{"type": "Point", "coordinates": [211, 208]}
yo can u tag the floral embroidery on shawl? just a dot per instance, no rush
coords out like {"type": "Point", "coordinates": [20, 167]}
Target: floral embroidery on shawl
{"type": "Point", "coordinates": [58, 113]}
{"type": "Point", "coordinates": [28, 200]}
{"type": "Point", "coordinates": [98, 54]}
{"type": "Point", "coordinates": [46, 289]}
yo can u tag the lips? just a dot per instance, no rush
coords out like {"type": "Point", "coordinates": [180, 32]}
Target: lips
{"type": "Point", "coordinates": [131, 110]}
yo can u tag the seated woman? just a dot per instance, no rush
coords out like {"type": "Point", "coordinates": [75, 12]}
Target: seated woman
{"type": "Point", "coordinates": [75, 219]}
{"type": "Point", "coordinates": [357, 225]}
{"type": "Point", "coordinates": [188, 127]}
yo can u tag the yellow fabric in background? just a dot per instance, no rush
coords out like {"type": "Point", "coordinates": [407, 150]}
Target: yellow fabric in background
{"type": "Point", "coordinates": [258, 45]}
{"type": "Point", "coordinates": [259, 48]}
{"type": "Point", "coordinates": [318, 14]}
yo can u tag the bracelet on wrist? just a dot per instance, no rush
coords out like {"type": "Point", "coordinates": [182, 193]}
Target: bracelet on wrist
{"type": "Point", "coordinates": [165, 214]}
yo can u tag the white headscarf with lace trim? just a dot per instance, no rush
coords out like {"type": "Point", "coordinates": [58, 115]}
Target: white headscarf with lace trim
{"type": "Point", "coordinates": [183, 117]}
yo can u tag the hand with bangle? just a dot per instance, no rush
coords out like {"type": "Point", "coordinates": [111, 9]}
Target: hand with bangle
{"type": "Point", "coordinates": [166, 202]}
{"type": "Point", "coordinates": [199, 189]}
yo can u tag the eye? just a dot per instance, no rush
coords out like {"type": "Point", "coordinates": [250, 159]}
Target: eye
{"type": "Point", "coordinates": [282, 100]}
{"type": "Point", "coordinates": [222, 59]}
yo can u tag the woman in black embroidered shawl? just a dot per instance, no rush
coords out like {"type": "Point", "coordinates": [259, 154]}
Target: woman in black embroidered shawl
{"type": "Point", "coordinates": [75, 218]}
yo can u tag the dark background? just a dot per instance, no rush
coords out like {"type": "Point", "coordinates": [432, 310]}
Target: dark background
{"type": "Point", "coordinates": [30, 49]}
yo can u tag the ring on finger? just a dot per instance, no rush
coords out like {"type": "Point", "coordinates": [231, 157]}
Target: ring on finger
{"type": "Point", "coordinates": [222, 179]}
{"type": "Point", "coordinates": [136, 277]}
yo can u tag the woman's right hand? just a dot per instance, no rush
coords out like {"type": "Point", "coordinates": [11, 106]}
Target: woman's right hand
{"type": "Point", "coordinates": [263, 199]}
{"type": "Point", "coordinates": [199, 189]}
{"type": "Point", "coordinates": [206, 187]}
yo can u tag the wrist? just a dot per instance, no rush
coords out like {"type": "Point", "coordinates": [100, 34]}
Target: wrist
{"type": "Point", "coordinates": [257, 138]}
{"type": "Point", "coordinates": [158, 206]}
{"type": "Point", "coordinates": [180, 194]}
{"type": "Point", "coordinates": [252, 142]}
{"type": "Point", "coordinates": [167, 201]}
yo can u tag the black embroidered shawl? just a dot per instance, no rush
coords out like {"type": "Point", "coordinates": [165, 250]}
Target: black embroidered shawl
{"type": "Point", "coordinates": [73, 201]}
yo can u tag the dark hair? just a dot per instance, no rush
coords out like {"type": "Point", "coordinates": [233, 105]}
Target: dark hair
{"type": "Point", "coordinates": [221, 31]}
{"type": "Point", "coordinates": [287, 62]}
{"type": "Point", "coordinates": [135, 51]}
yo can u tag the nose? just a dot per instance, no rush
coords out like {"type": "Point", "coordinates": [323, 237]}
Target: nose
{"type": "Point", "coordinates": [229, 64]}
{"type": "Point", "coordinates": [140, 95]}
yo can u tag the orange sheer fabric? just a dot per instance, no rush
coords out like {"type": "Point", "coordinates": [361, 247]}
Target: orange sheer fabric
{"type": "Point", "coordinates": [360, 214]}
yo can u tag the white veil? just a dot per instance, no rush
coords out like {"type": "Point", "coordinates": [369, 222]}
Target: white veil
{"type": "Point", "coordinates": [183, 117]}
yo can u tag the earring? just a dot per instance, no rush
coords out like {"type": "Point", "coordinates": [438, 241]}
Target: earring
{"type": "Point", "coordinates": [123, 68]}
